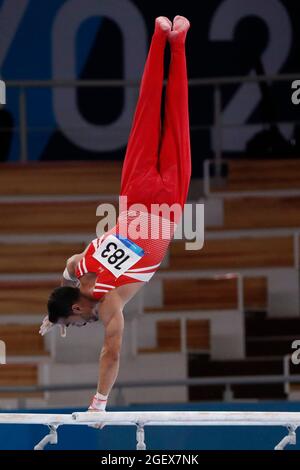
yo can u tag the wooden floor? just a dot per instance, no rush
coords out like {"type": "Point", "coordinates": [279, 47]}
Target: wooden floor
{"type": "Point", "coordinates": [168, 333]}
{"type": "Point", "coordinates": [247, 252]}
{"type": "Point", "coordinates": [25, 297]}
{"type": "Point", "coordinates": [22, 340]}
{"type": "Point", "coordinates": [258, 212]}
{"type": "Point", "coordinates": [19, 375]}
{"type": "Point", "coordinates": [211, 294]}
{"type": "Point", "coordinates": [50, 217]}
{"type": "Point", "coordinates": [61, 178]}
{"type": "Point", "coordinates": [30, 258]}
{"type": "Point", "coordinates": [261, 175]}
{"type": "Point", "coordinates": [234, 253]}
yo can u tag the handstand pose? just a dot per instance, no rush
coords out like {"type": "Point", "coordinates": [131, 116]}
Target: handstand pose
{"type": "Point", "coordinates": [157, 168]}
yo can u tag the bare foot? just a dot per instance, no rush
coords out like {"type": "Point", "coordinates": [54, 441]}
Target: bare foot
{"type": "Point", "coordinates": [163, 24]}
{"type": "Point", "coordinates": [180, 28]}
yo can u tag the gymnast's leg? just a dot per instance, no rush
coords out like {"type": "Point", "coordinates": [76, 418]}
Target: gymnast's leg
{"type": "Point", "coordinates": [141, 159]}
{"type": "Point", "coordinates": [175, 154]}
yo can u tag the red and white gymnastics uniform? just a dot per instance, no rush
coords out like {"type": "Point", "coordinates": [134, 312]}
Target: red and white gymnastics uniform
{"type": "Point", "coordinates": [156, 170]}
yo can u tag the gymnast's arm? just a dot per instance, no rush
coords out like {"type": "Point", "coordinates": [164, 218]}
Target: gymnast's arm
{"type": "Point", "coordinates": [69, 277]}
{"type": "Point", "coordinates": [111, 315]}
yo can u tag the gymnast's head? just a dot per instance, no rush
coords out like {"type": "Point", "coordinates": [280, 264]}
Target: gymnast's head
{"type": "Point", "coordinates": [68, 306]}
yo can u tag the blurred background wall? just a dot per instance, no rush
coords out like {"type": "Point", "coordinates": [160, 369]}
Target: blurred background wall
{"type": "Point", "coordinates": [108, 39]}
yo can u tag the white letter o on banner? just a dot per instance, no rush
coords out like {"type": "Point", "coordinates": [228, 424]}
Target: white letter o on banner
{"type": "Point", "coordinates": [131, 23]}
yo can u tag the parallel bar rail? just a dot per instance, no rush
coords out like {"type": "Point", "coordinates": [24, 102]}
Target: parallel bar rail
{"type": "Point", "coordinates": [140, 419]}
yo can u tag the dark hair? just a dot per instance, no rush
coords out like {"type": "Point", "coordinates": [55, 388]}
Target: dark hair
{"type": "Point", "coordinates": [60, 302]}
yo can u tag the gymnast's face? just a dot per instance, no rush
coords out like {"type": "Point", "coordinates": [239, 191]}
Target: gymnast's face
{"type": "Point", "coordinates": [84, 311]}
{"type": "Point", "coordinates": [78, 320]}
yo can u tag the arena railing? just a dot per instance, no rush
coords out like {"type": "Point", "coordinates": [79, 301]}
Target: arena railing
{"type": "Point", "coordinates": [227, 381]}
{"type": "Point", "coordinates": [217, 83]}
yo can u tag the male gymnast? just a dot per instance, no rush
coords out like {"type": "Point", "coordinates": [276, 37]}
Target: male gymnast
{"type": "Point", "coordinates": [99, 282]}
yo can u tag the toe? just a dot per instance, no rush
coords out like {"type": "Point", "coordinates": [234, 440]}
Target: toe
{"type": "Point", "coordinates": [180, 23]}
{"type": "Point", "coordinates": [163, 23]}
